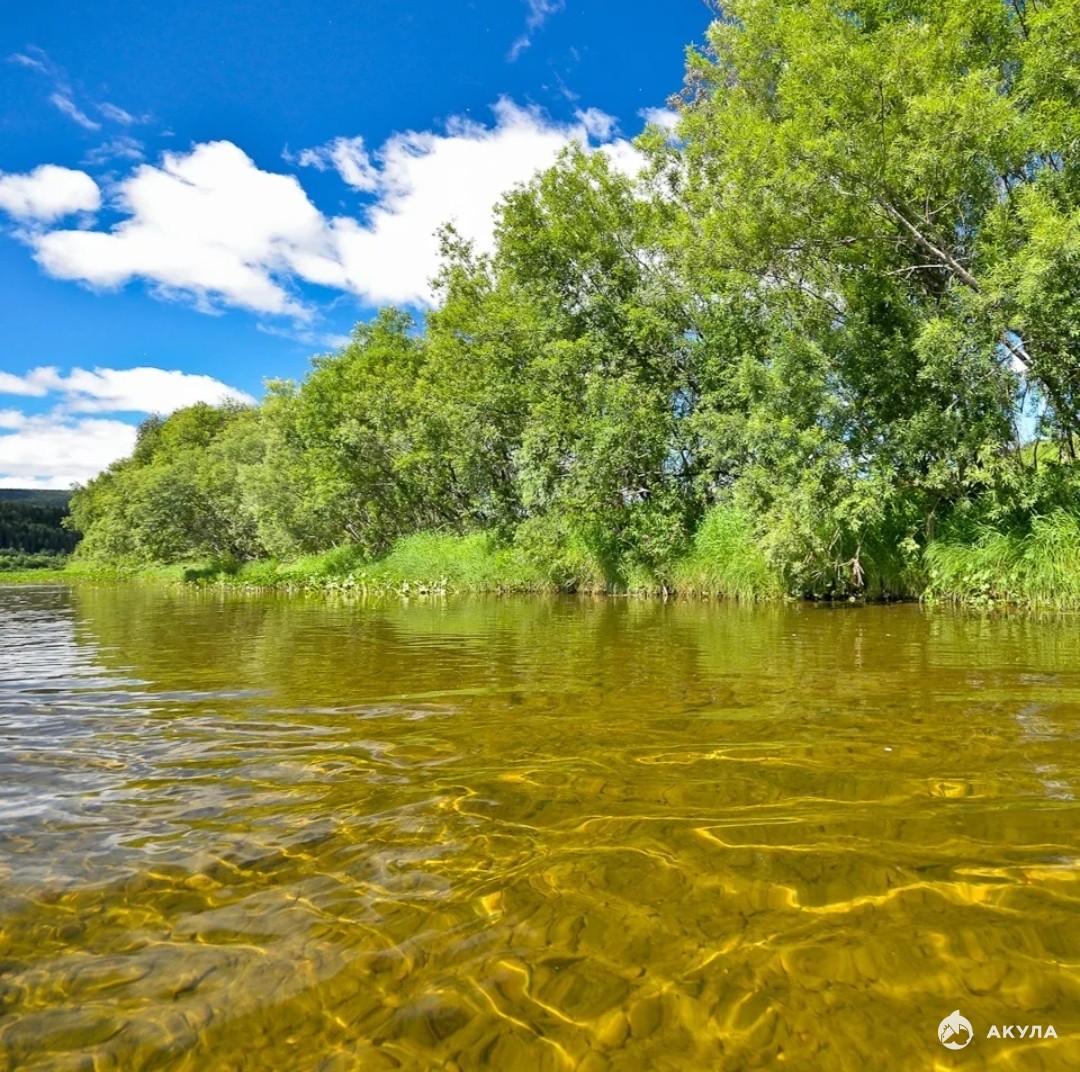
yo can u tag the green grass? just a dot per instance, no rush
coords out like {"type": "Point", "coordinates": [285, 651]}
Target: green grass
{"type": "Point", "coordinates": [79, 571]}
{"type": "Point", "coordinates": [1036, 566]}
{"type": "Point", "coordinates": [473, 563]}
{"type": "Point", "coordinates": [427, 562]}
{"type": "Point", "coordinates": [35, 576]}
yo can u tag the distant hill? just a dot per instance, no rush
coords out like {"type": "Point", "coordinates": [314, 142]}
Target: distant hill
{"type": "Point", "coordinates": [37, 496]}
{"type": "Point", "coordinates": [31, 521]}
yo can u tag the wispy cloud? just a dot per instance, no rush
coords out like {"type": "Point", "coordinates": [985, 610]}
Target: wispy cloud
{"type": "Point", "coordinates": [65, 104]}
{"type": "Point", "coordinates": [308, 337]}
{"type": "Point", "coordinates": [116, 114]}
{"type": "Point", "coordinates": [63, 96]}
{"type": "Point", "coordinates": [26, 59]}
{"type": "Point", "coordinates": [539, 12]}
{"type": "Point", "coordinates": [123, 147]}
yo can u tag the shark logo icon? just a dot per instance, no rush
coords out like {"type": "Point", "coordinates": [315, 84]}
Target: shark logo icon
{"type": "Point", "coordinates": [955, 1031]}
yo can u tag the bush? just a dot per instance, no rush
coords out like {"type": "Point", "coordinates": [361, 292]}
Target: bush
{"type": "Point", "coordinates": [17, 561]}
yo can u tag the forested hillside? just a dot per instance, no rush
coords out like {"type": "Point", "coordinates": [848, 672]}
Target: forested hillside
{"type": "Point", "coordinates": [827, 343]}
{"type": "Point", "coordinates": [36, 496]}
{"type": "Point", "coordinates": [32, 530]}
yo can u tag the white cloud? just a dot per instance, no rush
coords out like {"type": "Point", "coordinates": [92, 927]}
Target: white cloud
{"type": "Point", "coordinates": [539, 12]}
{"type": "Point", "coordinates": [665, 118]}
{"type": "Point", "coordinates": [62, 447]}
{"type": "Point", "coordinates": [213, 227]}
{"type": "Point", "coordinates": [599, 125]}
{"type": "Point", "coordinates": [143, 390]}
{"type": "Point", "coordinates": [104, 390]}
{"type": "Point", "coordinates": [207, 223]}
{"type": "Point", "coordinates": [62, 100]}
{"type": "Point", "coordinates": [12, 418]}
{"type": "Point", "coordinates": [427, 180]}
{"type": "Point", "coordinates": [48, 192]}
{"type": "Point", "coordinates": [21, 385]}
{"type": "Point", "coordinates": [54, 451]}
{"type": "Point", "coordinates": [348, 157]}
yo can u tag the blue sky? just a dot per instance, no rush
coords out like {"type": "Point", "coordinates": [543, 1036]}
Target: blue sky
{"type": "Point", "coordinates": [196, 197]}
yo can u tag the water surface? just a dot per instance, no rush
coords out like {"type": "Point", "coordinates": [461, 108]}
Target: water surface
{"type": "Point", "coordinates": [265, 833]}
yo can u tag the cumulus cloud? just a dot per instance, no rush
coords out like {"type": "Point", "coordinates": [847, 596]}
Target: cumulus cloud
{"type": "Point", "coordinates": [205, 223]}
{"type": "Point", "coordinates": [21, 385]}
{"type": "Point", "coordinates": [539, 12]}
{"type": "Point", "coordinates": [54, 451]}
{"type": "Point", "coordinates": [665, 118]}
{"type": "Point", "coordinates": [211, 226]}
{"type": "Point", "coordinates": [65, 446]}
{"type": "Point", "coordinates": [105, 390]}
{"type": "Point", "coordinates": [598, 124]}
{"type": "Point", "coordinates": [427, 180]}
{"type": "Point", "coordinates": [47, 193]}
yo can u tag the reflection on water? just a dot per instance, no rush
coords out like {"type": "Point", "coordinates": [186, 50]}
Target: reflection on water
{"type": "Point", "coordinates": [242, 833]}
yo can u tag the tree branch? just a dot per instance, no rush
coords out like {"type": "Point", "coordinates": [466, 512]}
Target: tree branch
{"type": "Point", "coordinates": [943, 258]}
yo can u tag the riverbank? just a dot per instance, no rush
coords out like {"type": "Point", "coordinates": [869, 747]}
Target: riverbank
{"type": "Point", "coordinates": [1036, 568]}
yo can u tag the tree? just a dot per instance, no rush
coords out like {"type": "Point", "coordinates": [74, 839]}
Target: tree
{"type": "Point", "coordinates": [869, 171]}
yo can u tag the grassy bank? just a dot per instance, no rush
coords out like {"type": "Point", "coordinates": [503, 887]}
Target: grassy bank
{"type": "Point", "coordinates": [80, 571]}
{"type": "Point", "coordinates": [723, 562]}
{"type": "Point", "coordinates": [1036, 564]}
{"type": "Point", "coordinates": [424, 562]}
{"type": "Point", "coordinates": [1031, 565]}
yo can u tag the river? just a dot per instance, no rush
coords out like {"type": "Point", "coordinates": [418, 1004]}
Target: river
{"type": "Point", "coordinates": [302, 834]}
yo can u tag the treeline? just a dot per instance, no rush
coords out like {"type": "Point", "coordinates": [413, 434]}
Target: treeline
{"type": "Point", "coordinates": [37, 496]}
{"type": "Point", "coordinates": [30, 524]}
{"type": "Point", "coordinates": [827, 342]}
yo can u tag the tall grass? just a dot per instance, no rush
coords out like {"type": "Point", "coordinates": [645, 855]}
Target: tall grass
{"type": "Point", "coordinates": [726, 560]}
{"type": "Point", "coordinates": [472, 563]}
{"type": "Point", "coordinates": [1037, 565]}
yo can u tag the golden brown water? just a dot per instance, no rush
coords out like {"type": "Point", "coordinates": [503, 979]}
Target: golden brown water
{"type": "Point", "coordinates": [287, 834]}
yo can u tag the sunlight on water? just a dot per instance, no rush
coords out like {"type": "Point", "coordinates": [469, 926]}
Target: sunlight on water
{"type": "Point", "coordinates": [242, 833]}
